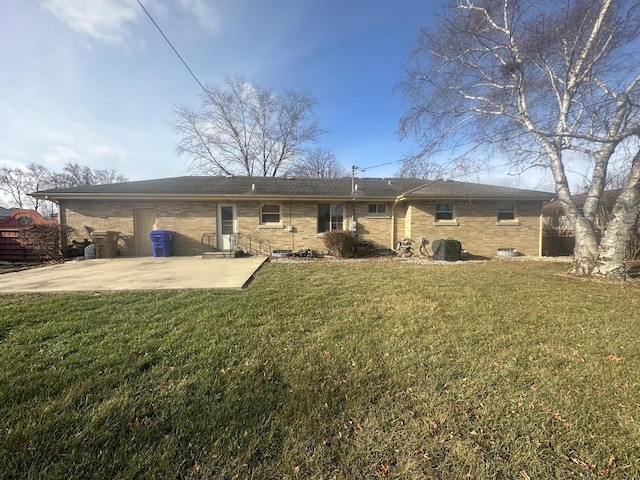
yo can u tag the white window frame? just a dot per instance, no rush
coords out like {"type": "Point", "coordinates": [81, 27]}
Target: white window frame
{"type": "Point", "coordinates": [445, 220]}
{"type": "Point", "coordinates": [263, 213]}
{"type": "Point", "coordinates": [377, 212]}
{"type": "Point", "coordinates": [332, 208]}
{"type": "Point", "coordinates": [507, 208]}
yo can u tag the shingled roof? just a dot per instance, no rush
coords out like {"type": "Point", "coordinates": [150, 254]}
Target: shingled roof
{"type": "Point", "coordinates": [287, 187]}
{"type": "Point", "coordinates": [452, 189]}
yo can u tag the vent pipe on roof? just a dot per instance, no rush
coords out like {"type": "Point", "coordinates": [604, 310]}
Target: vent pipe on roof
{"type": "Point", "coordinates": [356, 187]}
{"type": "Point", "coordinates": [253, 186]}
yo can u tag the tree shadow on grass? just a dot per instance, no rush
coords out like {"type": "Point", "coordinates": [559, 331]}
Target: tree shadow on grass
{"type": "Point", "coordinates": [217, 426]}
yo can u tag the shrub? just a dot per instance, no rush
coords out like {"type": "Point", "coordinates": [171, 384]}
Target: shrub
{"type": "Point", "coordinates": [50, 241]}
{"type": "Point", "coordinates": [340, 243]}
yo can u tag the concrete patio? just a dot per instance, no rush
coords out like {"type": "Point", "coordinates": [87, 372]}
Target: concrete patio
{"type": "Point", "coordinates": [146, 273]}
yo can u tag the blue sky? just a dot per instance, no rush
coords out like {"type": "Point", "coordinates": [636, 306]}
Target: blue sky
{"type": "Point", "coordinates": [94, 82]}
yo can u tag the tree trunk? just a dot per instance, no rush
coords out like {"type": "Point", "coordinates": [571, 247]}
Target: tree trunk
{"type": "Point", "coordinates": [586, 248]}
{"type": "Point", "coordinates": [612, 254]}
{"type": "Point", "coordinates": [613, 247]}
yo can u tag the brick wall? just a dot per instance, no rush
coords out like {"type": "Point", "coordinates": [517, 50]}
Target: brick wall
{"type": "Point", "coordinates": [476, 226]}
{"type": "Point", "coordinates": [188, 219]}
{"type": "Point", "coordinates": [302, 216]}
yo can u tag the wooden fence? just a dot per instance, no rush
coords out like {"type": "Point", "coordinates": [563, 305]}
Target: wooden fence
{"type": "Point", "coordinates": [11, 248]}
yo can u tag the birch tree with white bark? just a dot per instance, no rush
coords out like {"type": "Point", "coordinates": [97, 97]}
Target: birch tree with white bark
{"type": "Point", "coordinates": [242, 129]}
{"type": "Point", "coordinates": [544, 83]}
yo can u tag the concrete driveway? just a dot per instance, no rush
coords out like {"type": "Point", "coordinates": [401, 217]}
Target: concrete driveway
{"type": "Point", "coordinates": [148, 273]}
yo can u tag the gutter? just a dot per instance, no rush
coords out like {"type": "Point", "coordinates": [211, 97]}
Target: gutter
{"type": "Point", "coordinates": [205, 196]}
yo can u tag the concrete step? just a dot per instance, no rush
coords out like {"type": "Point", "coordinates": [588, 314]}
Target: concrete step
{"type": "Point", "coordinates": [222, 254]}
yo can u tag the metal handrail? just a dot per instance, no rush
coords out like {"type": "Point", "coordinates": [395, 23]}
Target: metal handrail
{"type": "Point", "coordinates": [206, 244]}
{"type": "Point", "coordinates": [253, 244]}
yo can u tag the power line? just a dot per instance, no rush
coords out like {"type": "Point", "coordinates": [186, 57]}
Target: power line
{"type": "Point", "coordinates": [364, 169]}
{"type": "Point", "coordinates": [476, 171]}
{"type": "Point", "coordinates": [172, 47]}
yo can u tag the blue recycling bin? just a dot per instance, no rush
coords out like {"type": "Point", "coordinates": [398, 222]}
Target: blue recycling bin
{"type": "Point", "coordinates": [162, 241]}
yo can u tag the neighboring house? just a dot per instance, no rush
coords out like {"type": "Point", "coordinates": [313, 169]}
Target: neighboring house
{"type": "Point", "coordinates": [558, 236]}
{"type": "Point", "coordinates": [555, 218]}
{"type": "Point", "coordinates": [4, 212]}
{"type": "Point", "coordinates": [293, 213]}
{"type": "Point", "coordinates": [11, 227]}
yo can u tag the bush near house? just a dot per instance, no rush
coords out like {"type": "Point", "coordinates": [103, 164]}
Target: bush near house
{"type": "Point", "coordinates": [50, 241]}
{"type": "Point", "coordinates": [339, 242]}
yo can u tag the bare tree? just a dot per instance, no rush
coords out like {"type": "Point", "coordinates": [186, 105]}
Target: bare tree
{"type": "Point", "coordinates": [244, 129]}
{"type": "Point", "coordinates": [18, 182]}
{"type": "Point", "coordinates": [545, 82]}
{"type": "Point", "coordinates": [108, 176]}
{"type": "Point", "coordinates": [319, 163]}
{"type": "Point", "coordinates": [76, 175]}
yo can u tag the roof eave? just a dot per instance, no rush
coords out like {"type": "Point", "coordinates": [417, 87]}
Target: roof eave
{"type": "Point", "coordinates": [477, 197]}
{"type": "Point", "coordinates": [278, 197]}
{"type": "Point", "coordinates": [215, 197]}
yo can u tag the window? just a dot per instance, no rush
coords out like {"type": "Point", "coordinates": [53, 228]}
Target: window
{"type": "Point", "coordinates": [330, 217]}
{"type": "Point", "coordinates": [444, 211]}
{"type": "Point", "coordinates": [25, 221]}
{"type": "Point", "coordinates": [269, 213]}
{"type": "Point", "coordinates": [377, 209]}
{"type": "Point", "coordinates": [506, 212]}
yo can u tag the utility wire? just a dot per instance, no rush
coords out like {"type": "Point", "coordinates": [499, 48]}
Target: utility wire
{"type": "Point", "coordinates": [478, 170]}
{"type": "Point", "coordinates": [172, 47]}
{"type": "Point", "coordinates": [364, 169]}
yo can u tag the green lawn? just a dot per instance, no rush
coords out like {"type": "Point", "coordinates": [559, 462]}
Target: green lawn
{"type": "Point", "coordinates": [328, 370]}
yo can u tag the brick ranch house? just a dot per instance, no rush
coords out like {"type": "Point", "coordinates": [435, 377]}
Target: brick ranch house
{"type": "Point", "coordinates": [293, 213]}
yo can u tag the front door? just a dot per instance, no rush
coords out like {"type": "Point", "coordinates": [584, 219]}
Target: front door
{"type": "Point", "coordinates": [144, 220]}
{"type": "Point", "coordinates": [226, 226]}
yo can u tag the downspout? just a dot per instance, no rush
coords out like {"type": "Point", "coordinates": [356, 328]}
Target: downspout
{"type": "Point", "coordinates": [540, 232]}
{"type": "Point", "coordinates": [291, 228]}
{"type": "Point", "coordinates": [393, 221]}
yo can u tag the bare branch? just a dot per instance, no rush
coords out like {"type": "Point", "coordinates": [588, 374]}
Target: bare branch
{"type": "Point", "coordinates": [244, 129]}
{"type": "Point", "coordinates": [539, 79]}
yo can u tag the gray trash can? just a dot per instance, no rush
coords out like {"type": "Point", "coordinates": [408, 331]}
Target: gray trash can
{"type": "Point", "coordinates": [106, 243]}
